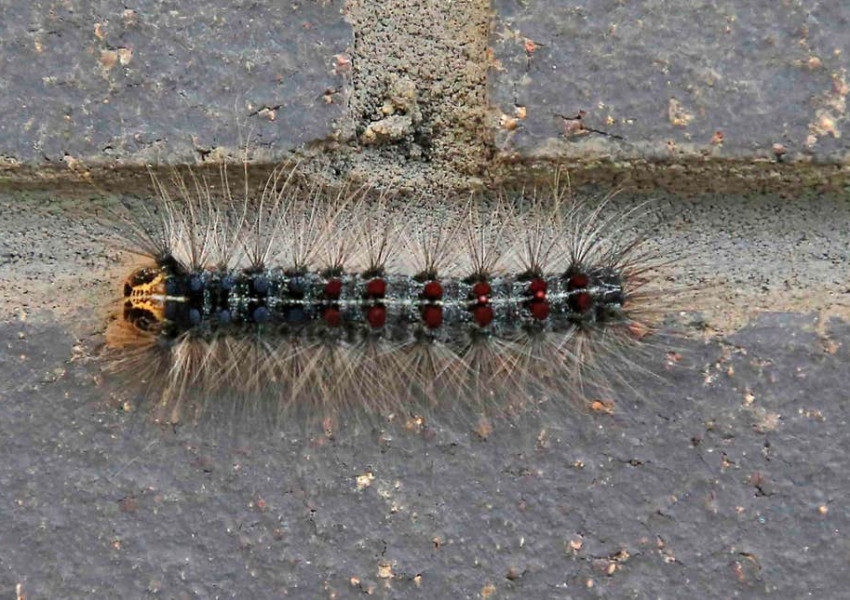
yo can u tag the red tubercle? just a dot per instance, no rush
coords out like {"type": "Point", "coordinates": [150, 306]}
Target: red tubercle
{"type": "Point", "coordinates": [583, 300]}
{"type": "Point", "coordinates": [481, 289]}
{"type": "Point", "coordinates": [332, 316]}
{"type": "Point", "coordinates": [577, 281]}
{"type": "Point", "coordinates": [333, 289]}
{"type": "Point", "coordinates": [538, 306]}
{"type": "Point", "coordinates": [376, 316]}
{"type": "Point", "coordinates": [537, 290]}
{"type": "Point", "coordinates": [432, 316]}
{"type": "Point", "coordinates": [433, 290]}
{"type": "Point", "coordinates": [483, 315]}
{"type": "Point", "coordinates": [539, 309]}
{"type": "Point", "coordinates": [376, 288]}
{"type": "Point", "coordinates": [482, 311]}
{"type": "Point", "coordinates": [537, 287]}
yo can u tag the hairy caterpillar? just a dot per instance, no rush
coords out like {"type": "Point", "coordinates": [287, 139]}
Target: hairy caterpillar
{"type": "Point", "coordinates": [304, 300]}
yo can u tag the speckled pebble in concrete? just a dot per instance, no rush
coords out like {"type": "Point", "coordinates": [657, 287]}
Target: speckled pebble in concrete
{"type": "Point", "coordinates": [751, 80]}
{"type": "Point", "coordinates": [727, 480]}
{"type": "Point", "coordinates": [157, 80]}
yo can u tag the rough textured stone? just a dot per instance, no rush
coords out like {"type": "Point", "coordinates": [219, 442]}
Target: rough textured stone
{"type": "Point", "coordinates": [721, 477]}
{"type": "Point", "coordinates": [418, 106]}
{"type": "Point", "coordinates": [701, 84]}
{"type": "Point", "coordinates": [104, 82]}
{"type": "Point", "coordinates": [724, 478]}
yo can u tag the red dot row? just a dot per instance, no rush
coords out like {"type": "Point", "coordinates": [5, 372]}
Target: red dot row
{"type": "Point", "coordinates": [376, 315]}
{"type": "Point", "coordinates": [332, 315]}
{"type": "Point", "coordinates": [432, 313]}
{"type": "Point", "coordinates": [481, 310]}
{"type": "Point", "coordinates": [376, 290]}
{"type": "Point", "coordinates": [538, 305]}
{"type": "Point", "coordinates": [582, 301]}
{"type": "Point", "coordinates": [480, 297]}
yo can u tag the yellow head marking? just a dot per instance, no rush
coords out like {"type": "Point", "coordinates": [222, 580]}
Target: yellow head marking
{"type": "Point", "coordinates": [144, 298]}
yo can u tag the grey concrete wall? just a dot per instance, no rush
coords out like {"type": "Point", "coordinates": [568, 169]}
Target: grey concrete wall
{"type": "Point", "coordinates": [727, 480]}
{"type": "Point", "coordinates": [722, 93]}
{"type": "Point", "coordinates": [694, 97]}
{"type": "Point", "coordinates": [721, 472]}
{"type": "Point", "coordinates": [108, 84]}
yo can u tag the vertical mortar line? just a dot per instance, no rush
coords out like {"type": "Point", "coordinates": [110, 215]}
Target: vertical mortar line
{"type": "Point", "coordinates": [418, 105]}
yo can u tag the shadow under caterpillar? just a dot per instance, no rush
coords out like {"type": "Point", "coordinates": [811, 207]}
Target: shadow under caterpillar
{"type": "Point", "coordinates": [302, 301]}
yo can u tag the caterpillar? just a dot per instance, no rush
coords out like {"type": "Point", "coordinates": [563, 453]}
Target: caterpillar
{"type": "Point", "coordinates": [313, 301]}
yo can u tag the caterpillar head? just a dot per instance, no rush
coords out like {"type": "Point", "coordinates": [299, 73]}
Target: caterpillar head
{"type": "Point", "coordinates": [144, 299]}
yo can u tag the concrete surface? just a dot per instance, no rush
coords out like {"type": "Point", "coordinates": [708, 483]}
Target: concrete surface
{"type": "Point", "coordinates": [724, 477]}
{"type": "Point", "coordinates": [729, 92]}
{"type": "Point", "coordinates": [103, 83]}
{"type": "Point", "coordinates": [94, 92]}
{"type": "Point", "coordinates": [432, 94]}
{"type": "Point", "coordinates": [418, 94]}
{"type": "Point", "coordinates": [726, 481]}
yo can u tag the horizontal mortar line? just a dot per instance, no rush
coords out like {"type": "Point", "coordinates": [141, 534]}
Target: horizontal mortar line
{"type": "Point", "coordinates": [731, 174]}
